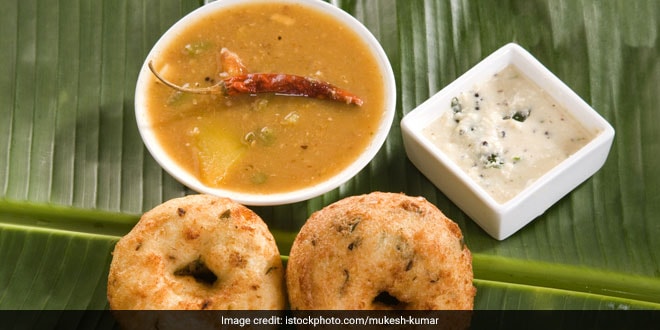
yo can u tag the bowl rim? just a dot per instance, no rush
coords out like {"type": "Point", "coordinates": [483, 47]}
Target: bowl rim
{"type": "Point", "coordinates": [510, 54]}
{"type": "Point", "coordinates": [260, 199]}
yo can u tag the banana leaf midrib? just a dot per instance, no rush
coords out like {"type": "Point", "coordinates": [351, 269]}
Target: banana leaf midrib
{"type": "Point", "coordinates": [643, 290]}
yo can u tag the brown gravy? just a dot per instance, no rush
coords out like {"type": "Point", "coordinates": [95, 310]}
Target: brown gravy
{"type": "Point", "coordinates": [266, 143]}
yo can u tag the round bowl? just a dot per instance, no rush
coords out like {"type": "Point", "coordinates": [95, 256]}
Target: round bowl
{"type": "Point", "coordinates": [170, 166]}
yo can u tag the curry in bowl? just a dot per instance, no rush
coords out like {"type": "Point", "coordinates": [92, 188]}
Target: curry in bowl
{"type": "Point", "coordinates": [265, 97]}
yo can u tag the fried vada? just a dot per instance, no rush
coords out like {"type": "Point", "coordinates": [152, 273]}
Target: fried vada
{"type": "Point", "coordinates": [197, 252]}
{"type": "Point", "coordinates": [380, 251]}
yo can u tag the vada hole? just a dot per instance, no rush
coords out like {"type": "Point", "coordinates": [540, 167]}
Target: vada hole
{"type": "Point", "coordinates": [199, 271]}
{"type": "Point", "coordinates": [387, 300]}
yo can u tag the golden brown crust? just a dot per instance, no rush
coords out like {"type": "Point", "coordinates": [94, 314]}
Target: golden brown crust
{"type": "Point", "coordinates": [197, 252]}
{"type": "Point", "coordinates": [380, 251]}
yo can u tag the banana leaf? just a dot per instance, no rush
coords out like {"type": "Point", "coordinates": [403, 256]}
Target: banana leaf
{"type": "Point", "coordinates": [75, 176]}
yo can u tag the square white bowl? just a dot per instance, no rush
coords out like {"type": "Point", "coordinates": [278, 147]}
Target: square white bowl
{"type": "Point", "coordinates": [500, 220]}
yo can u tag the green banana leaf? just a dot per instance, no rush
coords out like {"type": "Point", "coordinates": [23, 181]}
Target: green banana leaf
{"type": "Point", "coordinates": [75, 176]}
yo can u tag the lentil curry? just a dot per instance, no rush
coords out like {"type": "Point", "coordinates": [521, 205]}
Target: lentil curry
{"type": "Point", "coordinates": [266, 143]}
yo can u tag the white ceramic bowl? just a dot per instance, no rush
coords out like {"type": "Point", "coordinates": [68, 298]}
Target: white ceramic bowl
{"type": "Point", "coordinates": [500, 220]}
{"type": "Point", "coordinates": [157, 151]}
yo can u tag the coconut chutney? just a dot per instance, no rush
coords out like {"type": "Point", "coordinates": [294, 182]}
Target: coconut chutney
{"type": "Point", "coordinates": [506, 132]}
